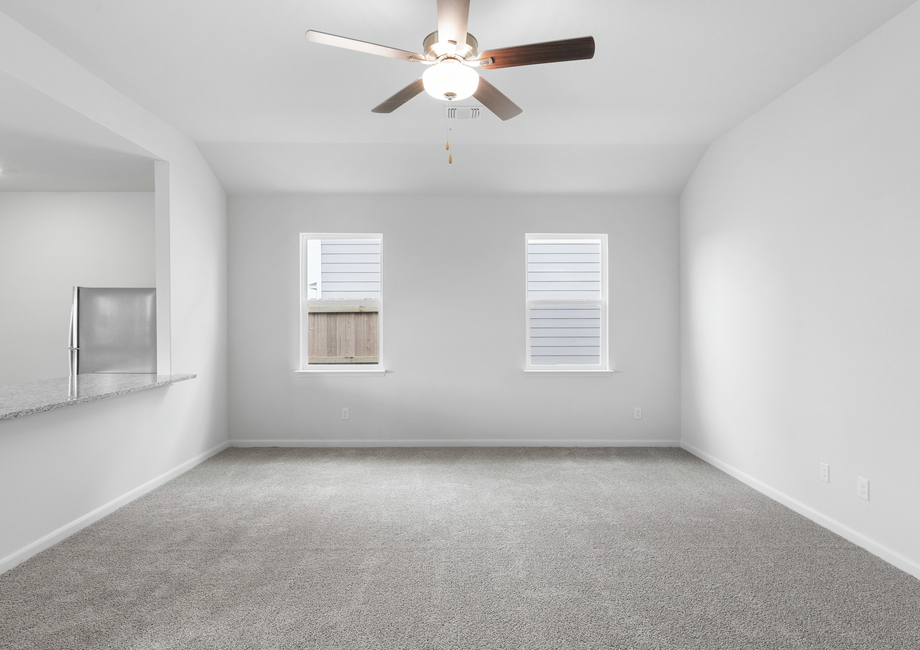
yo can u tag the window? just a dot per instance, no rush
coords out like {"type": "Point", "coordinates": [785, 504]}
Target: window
{"type": "Point", "coordinates": [341, 302]}
{"type": "Point", "coordinates": [566, 302]}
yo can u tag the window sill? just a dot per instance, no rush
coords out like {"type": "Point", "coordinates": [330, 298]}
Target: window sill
{"type": "Point", "coordinates": [341, 372]}
{"type": "Point", "coordinates": [569, 373]}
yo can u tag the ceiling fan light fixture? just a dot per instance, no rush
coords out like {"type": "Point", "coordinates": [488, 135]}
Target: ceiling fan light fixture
{"type": "Point", "coordinates": [450, 79]}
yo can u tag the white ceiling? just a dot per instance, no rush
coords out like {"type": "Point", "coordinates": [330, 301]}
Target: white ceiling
{"type": "Point", "coordinates": [46, 146]}
{"type": "Point", "coordinates": [272, 112]}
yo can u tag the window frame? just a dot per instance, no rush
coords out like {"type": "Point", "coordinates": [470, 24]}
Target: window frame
{"type": "Point", "coordinates": [603, 368]}
{"type": "Point", "coordinates": [305, 368]}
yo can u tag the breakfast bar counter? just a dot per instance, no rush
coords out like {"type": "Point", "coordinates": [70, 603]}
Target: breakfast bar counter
{"type": "Point", "coordinates": [17, 400]}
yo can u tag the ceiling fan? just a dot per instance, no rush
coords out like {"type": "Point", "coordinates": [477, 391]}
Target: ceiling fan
{"type": "Point", "coordinates": [451, 54]}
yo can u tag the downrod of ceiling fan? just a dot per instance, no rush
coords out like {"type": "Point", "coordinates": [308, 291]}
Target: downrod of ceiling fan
{"type": "Point", "coordinates": [433, 49]}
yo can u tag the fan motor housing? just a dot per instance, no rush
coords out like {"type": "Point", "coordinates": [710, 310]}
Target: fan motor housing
{"type": "Point", "coordinates": [433, 51]}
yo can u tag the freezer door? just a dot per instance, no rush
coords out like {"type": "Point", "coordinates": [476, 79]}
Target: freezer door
{"type": "Point", "coordinates": [116, 330]}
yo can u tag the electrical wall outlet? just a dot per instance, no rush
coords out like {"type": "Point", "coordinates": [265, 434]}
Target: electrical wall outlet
{"type": "Point", "coordinates": [637, 413]}
{"type": "Point", "coordinates": [344, 412]}
{"type": "Point", "coordinates": [862, 488]}
{"type": "Point", "coordinates": [825, 473]}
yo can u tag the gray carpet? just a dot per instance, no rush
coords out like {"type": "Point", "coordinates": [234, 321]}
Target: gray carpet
{"type": "Point", "coordinates": [457, 548]}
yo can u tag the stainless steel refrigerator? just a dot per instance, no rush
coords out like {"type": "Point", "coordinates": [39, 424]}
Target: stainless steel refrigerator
{"type": "Point", "coordinates": [113, 330]}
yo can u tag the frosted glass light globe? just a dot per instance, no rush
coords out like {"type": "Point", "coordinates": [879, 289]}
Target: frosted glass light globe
{"type": "Point", "coordinates": [450, 79]}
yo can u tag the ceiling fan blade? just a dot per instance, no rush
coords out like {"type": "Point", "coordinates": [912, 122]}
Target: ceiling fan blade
{"type": "Point", "coordinates": [400, 98]}
{"type": "Point", "coordinates": [493, 99]}
{"type": "Point", "coordinates": [453, 17]}
{"type": "Point", "coordinates": [571, 49]}
{"type": "Point", "coordinates": [361, 46]}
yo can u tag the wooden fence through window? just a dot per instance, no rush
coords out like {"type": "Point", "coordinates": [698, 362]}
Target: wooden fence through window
{"type": "Point", "coordinates": [343, 334]}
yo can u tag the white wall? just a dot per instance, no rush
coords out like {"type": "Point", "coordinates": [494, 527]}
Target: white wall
{"type": "Point", "coordinates": [61, 466]}
{"type": "Point", "coordinates": [51, 241]}
{"type": "Point", "coordinates": [453, 325]}
{"type": "Point", "coordinates": [800, 273]}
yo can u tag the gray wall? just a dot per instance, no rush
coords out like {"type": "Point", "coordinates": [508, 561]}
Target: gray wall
{"type": "Point", "coordinates": [60, 470]}
{"type": "Point", "coordinates": [801, 295]}
{"type": "Point", "coordinates": [453, 328]}
{"type": "Point", "coordinates": [51, 241]}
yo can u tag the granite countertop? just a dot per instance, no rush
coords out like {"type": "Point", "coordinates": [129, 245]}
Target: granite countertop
{"type": "Point", "coordinates": [17, 400]}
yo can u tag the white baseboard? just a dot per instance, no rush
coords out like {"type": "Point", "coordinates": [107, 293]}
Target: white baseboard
{"type": "Point", "coordinates": [440, 442]}
{"type": "Point", "coordinates": [898, 560]}
{"type": "Point", "coordinates": [67, 530]}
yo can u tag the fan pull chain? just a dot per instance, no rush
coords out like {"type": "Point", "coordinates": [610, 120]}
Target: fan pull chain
{"type": "Point", "coordinates": [450, 155]}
